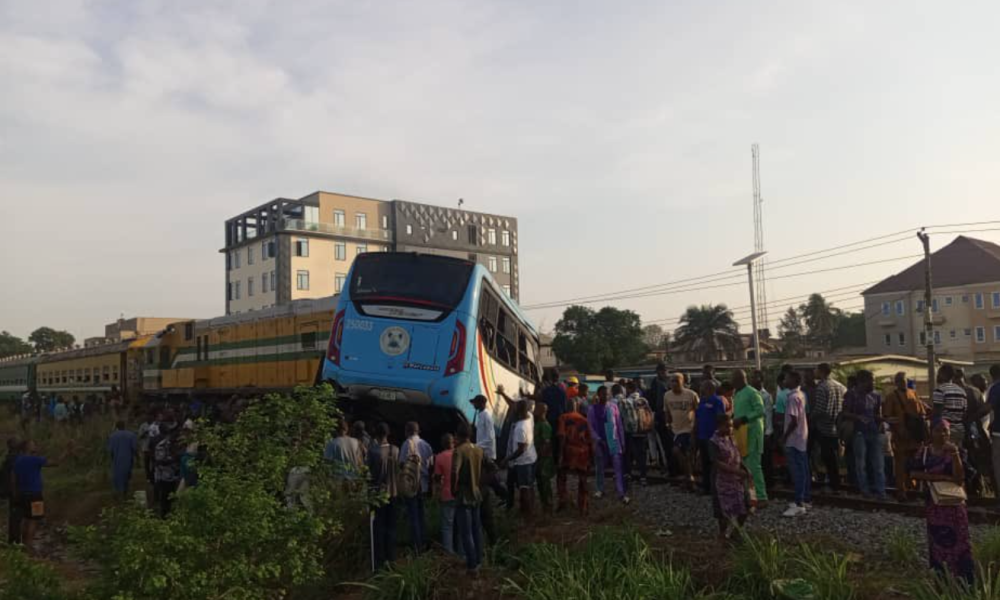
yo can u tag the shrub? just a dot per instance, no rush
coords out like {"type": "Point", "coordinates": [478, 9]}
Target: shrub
{"type": "Point", "coordinates": [415, 579]}
{"type": "Point", "coordinates": [22, 578]}
{"type": "Point", "coordinates": [232, 535]}
{"type": "Point", "coordinates": [986, 587]}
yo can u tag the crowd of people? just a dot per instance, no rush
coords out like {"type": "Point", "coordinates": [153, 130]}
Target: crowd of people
{"type": "Point", "coordinates": [730, 440]}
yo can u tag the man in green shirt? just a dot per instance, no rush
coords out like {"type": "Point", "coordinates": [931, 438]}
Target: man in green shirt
{"type": "Point", "coordinates": [748, 411]}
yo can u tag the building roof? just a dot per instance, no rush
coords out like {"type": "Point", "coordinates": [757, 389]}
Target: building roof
{"type": "Point", "coordinates": [964, 261]}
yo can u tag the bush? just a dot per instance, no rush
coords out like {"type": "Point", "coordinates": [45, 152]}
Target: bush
{"type": "Point", "coordinates": [232, 535]}
{"type": "Point", "coordinates": [766, 568]}
{"type": "Point", "coordinates": [22, 578]}
{"type": "Point", "coordinates": [986, 587]}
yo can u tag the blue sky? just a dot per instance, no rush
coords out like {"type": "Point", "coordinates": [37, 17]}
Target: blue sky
{"type": "Point", "coordinates": [618, 134]}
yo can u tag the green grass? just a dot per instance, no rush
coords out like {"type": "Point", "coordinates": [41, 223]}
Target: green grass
{"type": "Point", "coordinates": [764, 568]}
{"type": "Point", "coordinates": [416, 579]}
{"type": "Point", "coordinates": [609, 565]}
{"type": "Point", "coordinates": [901, 547]}
{"type": "Point", "coordinates": [22, 578]}
{"type": "Point", "coordinates": [986, 587]}
{"type": "Point", "coordinates": [986, 549]}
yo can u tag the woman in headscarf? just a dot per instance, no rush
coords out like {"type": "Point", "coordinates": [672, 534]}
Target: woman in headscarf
{"type": "Point", "coordinates": [938, 463]}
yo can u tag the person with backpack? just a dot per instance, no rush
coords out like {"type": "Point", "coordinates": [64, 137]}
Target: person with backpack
{"type": "Point", "coordinates": [7, 490]}
{"type": "Point", "coordinates": [638, 419]}
{"type": "Point", "coordinates": [415, 458]}
{"type": "Point", "coordinates": [466, 488]}
{"type": "Point", "coordinates": [383, 477]}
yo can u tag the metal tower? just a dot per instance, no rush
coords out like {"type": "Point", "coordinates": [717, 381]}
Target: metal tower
{"type": "Point", "coordinates": [758, 241]}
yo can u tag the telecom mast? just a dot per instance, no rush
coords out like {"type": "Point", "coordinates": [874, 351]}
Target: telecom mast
{"type": "Point", "coordinates": [758, 241]}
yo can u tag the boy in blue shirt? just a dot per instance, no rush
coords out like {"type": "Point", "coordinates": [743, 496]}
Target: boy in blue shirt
{"type": "Point", "coordinates": [709, 408]}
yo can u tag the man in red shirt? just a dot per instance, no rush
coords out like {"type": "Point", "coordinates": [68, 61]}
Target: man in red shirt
{"type": "Point", "coordinates": [576, 456]}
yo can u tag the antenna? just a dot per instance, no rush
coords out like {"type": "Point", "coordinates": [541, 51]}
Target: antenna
{"type": "Point", "coordinates": [758, 240]}
{"type": "Point", "coordinates": [461, 201]}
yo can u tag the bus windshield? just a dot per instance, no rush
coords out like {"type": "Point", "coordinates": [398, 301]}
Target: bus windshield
{"type": "Point", "coordinates": [416, 279]}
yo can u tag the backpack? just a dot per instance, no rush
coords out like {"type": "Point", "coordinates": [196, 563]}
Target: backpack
{"type": "Point", "coordinates": [645, 418]}
{"type": "Point", "coordinates": [630, 416]}
{"type": "Point", "coordinates": [409, 478]}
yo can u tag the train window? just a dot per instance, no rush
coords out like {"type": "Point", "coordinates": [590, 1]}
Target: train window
{"type": "Point", "coordinates": [205, 348]}
{"type": "Point", "coordinates": [114, 373]}
{"type": "Point", "coordinates": [107, 373]}
{"type": "Point", "coordinates": [150, 356]}
{"type": "Point", "coordinates": [188, 331]}
{"type": "Point", "coordinates": [198, 349]}
{"type": "Point", "coordinates": [165, 357]}
{"type": "Point", "coordinates": [308, 340]}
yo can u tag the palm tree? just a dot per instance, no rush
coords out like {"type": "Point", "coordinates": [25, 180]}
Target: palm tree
{"type": "Point", "coordinates": [708, 331]}
{"type": "Point", "coordinates": [820, 319]}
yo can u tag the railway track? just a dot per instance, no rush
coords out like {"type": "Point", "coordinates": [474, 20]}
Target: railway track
{"type": "Point", "coordinates": [981, 511]}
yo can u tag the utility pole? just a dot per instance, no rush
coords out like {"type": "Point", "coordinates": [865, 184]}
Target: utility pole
{"type": "Point", "coordinates": [749, 262]}
{"type": "Point", "coordinates": [928, 304]}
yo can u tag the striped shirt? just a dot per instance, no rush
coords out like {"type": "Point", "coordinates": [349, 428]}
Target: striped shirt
{"type": "Point", "coordinates": [952, 402]}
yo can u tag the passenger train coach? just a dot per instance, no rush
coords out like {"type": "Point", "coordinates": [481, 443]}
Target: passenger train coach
{"type": "Point", "coordinates": [417, 336]}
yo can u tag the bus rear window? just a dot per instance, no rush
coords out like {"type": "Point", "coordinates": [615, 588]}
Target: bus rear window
{"type": "Point", "coordinates": [411, 279]}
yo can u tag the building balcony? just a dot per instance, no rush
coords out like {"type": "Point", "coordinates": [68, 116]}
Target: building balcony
{"type": "Point", "coordinates": [381, 235]}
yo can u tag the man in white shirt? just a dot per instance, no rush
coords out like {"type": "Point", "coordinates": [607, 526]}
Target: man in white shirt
{"type": "Point", "coordinates": [486, 433]}
{"type": "Point", "coordinates": [521, 456]}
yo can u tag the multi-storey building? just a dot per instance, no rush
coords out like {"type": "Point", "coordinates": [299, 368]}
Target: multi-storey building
{"type": "Point", "coordinates": [288, 249]}
{"type": "Point", "coordinates": [965, 306]}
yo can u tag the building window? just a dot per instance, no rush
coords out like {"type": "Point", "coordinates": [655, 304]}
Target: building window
{"type": "Point", "coordinates": [965, 298]}
{"type": "Point", "coordinates": [505, 263]}
{"type": "Point", "coordinates": [385, 221]}
{"type": "Point", "coordinates": [886, 309]}
{"type": "Point", "coordinates": [301, 247]}
{"type": "Point", "coordinates": [339, 251]}
{"type": "Point", "coordinates": [362, 248]}
{"type": "Point", "coordinates": [506, 290]}
{"type": "Point", "coordinates": [980, 334]}
{"type": "Point", "coordinates": [249, 255]}
{"type": "Point", "coordinates": [338, 218]}
{"type": "Point", "coordinates": [900, 307]}
{"type": "Point", "coordinates": [473, 235]}
{"type": "Point", "coordinates": [409, 229]}
{"type": "Point", "coordinates": [923, 338]}
{"type": "Point", "coordinates": [902, 339]}
{"type": "Point", "coordinates": [967, 332]}
{"type": "Point", "coordinates": [952, 334]}
{"type": "Point", "coordinates": [491, 237]}
{"type": "Point", "coordinates": [505, 238]}
{"type": "Point", "coordinates": [361, 221]}
{"type": "Point", "coordinates": [338, 282]}
{"type": "Point", "coordinates": [979, 300]}
{"type": "Point", "coordinates": [920, 306]}
{"type": "Point", "coordinates": [263, 250]}
{"type": "Point", "coordinates": [263, 283]}
{"type": "Point", "coordinates": [236, 259]}
{"type": "Point", "coordinates": [492, 264]}
{"type": "Point", "coordinates": [454, 235]}
{"type": "Point", "coordinates": [937, 337]}
{"type": "Point", "coordinates": [249, 287]}
{"type": "Point", "coordinates": [302, 280]}
{"type": "Point", "coordinates": [887, 339]}
{"type": "Point", "coordinates": [996, 333]}
{"type": "Point", "coordinates": [948, 300]}
{"type": "Point", "coordinates": [934, 305]}
{"type": "Point", "coordinates": [996, 299]}
{"type": "Point", "coordinates": [236, 290]}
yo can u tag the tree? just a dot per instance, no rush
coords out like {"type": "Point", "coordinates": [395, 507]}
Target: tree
{"type": "Point", "coordinates": [708, 331]}
{"type": "Point", "coordinates": [11, 345]}
{"type": "Point", "coordinates": [596, 341]}
{"type": "Point", "coordinates": [232, 535]}
{"type": "Point", "coordinates": [849, 330]}
{"type": "Point", "coordinates": [46, 339]}
{"type": "Point", "coordinates": [820, 319]}
{"type": "Point", "coordinates": [792, 332]}
{"type": "Point", "coordinates": [655, 338]}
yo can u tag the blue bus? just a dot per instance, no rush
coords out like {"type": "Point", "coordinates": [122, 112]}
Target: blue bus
{"type": "Point", "coordinates": [416, 336]}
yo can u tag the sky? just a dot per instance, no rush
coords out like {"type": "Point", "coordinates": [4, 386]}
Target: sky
{"type": "Point", "coordinates": [618, 134]}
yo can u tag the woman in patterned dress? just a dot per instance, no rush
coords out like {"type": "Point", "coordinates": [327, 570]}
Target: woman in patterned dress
{"type": "Point", "coordinates": [947, 525]}
{"type": "Point", "coordinates": [730, 479]}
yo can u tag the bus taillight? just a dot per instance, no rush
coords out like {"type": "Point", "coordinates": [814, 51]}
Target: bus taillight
{"type": "Point", "coordinates": [456, 354]}
{"type": "Point", "coordinates": [336, 337]}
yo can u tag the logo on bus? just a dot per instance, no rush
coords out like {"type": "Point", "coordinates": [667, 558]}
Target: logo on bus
{"type": "Point", "coordinates": [394, 340]}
